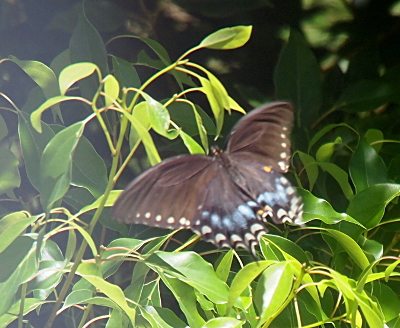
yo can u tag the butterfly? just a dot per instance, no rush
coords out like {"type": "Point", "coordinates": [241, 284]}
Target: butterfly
{"type": "Point", "coordinates": [228, 197]}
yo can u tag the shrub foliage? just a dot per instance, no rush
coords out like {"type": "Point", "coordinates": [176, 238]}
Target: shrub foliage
{"type": "Point", "coordinates": [93, 116]}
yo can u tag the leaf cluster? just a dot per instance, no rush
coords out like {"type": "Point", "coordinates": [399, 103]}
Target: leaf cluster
{"type": "Point", "coordinates": [338, 270]}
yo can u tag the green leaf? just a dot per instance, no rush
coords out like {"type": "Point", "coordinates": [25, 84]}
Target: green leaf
{"type": "Point", "coordinates": [158, 49]}
{"type": "Point", "coordinates": [227, 38]}
{"type": "Point", "coordinates": [186, 298]}
{"type": "Point", "coordinates": [193, 270]}
{"type": "Point", "coordinates": [369, 205]}
{"type": "Point", "coordinates": [244, 278]}
{"type": "Point", "coordinates": [122, 247]}
{"type": "Point", "coordinates": [111, 90]}
{"type": "Point", "coordinates": [224, 266]}
{"type": "Point", "coordinates": [273, 288]}
{"type": "Point", "coordinates": [223, 322]}
{"type": "Point", "coordinates": [287, 246]}
{"type": "Point", "coordinates": [191, 144]}
{"type": "Point", "coordinates": [86, 45]}
{"type": "Point", "coordinates": [192, 119]}
{"type": "Point", "coordinates": [76, 297]}
{"type": "Point", "coordinates": [387, 300]}
{"type": "Point", "coordinates": [30, 304]}
{"type": "Point", "coordinates": [371, 312]}
{"type": "Point", "coordinates": [161, 317]}
{"type": "Point", "coordinates": [311, 167]}
{"type": "Point", "coordinates": [17, 264]}
{"type": "Point", "coordinates": [61, 61]}
{"type": "Point", "coordinates": [366, 167]}
{"type": "Point", "coordinates": [56, 164]}
{"type": "Point", "coordinates": [374, 138]}
{"type": "Point", "coordinates": [12, 225]}
{"type": "Point", "coordinates": [219, 91]}
{"type": "Point", "coordinates": [146, 138]}
{"type": "Point", "coordinates": [43, 76]}
{"type": "Point", "coordinates": [298, 79]}
{"type": "Point", "coordinates": [32, 144]}
{"type": "Point", "coordinates": [49, 275]}
{"type": "Point", "coordinates": [340, 176]}
{"type": "Point", "coordinates": [318, 136]}
{"type": "Point", "coordinates": [88, 168]}
{"type": "Point", "coordinates": [74, 73]}
{"type": "Point", "coordinates": [325, 152]}
{"type": "Point", "coordinates": [351, 248]}
{"type": "Point", "coordinates": [158, 115]}
{"type": "Point", "coordinates": [319, 209]}
{"type": "Point", "coordinates": [9, 173]}
{"type": "Point", "coordinates": [71, 245]}
{"type": "Point", "coordinates": [112, 197]}
{"type": "Point", "coordinates": [216, 106]}
{"type": "Point", "coordinates": [37, 114]}
{"type": "Point", "coordinates": [78, 198]}
{"type": "Point", "coordinates": [91, 272]}
{"type": "Point", "coordinates": [125, 73]}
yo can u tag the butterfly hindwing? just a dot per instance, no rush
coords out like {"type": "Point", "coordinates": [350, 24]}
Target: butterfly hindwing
{"type": "Point", "coordinates": [273, 193]}
{"type": "Point", "coordinates": [226, 215]}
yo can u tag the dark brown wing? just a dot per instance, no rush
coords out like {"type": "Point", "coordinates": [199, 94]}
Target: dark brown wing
{"type": "Point", "coordinates": [197, 192]}
{"type": "Point", "coordinates": [265, 132]}
{"type": "Point", "coordinates": [167, 194]}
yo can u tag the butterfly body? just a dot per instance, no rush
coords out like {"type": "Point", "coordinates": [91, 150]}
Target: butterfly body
{"type": "Point", "coordinates": [228, 197]}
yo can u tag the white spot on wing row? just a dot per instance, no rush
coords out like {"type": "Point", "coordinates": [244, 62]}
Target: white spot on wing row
{"type": "Point", "coordinates": [205, 230]}
{"type": "Point", "coordinates": [236, 238]}
{"type": "Point", "coordinates": [282, 165]}
{"type": "Point", "coordinates": [249, 238]}
{"type": "Point", "coordinates": [219, 237]}
{"type": "Point", "coordinates": [256, 228]}
{"type": "Point", "coordinates": [281, 213]}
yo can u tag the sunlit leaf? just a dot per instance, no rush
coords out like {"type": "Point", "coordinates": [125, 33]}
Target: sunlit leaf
{"type": "Point", "coordinates": [73, 73]}
{"type": "Point", "coordinates": [227, 38]}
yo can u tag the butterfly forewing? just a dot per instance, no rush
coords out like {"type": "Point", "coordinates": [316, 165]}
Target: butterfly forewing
{"type": "Point", "coordinates": [265, 132]}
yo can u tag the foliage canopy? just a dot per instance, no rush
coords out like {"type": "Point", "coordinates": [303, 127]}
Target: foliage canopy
{"type": "Point", "coordinates": [91, 117]}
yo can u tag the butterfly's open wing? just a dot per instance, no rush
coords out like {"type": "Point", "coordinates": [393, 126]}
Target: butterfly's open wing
{"type": "Point", "coordinates": [265, 132]}
{"type": "Point", "coordinates": [167, 194]}
{"type": "Point", "coordinates": [197, 192]}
